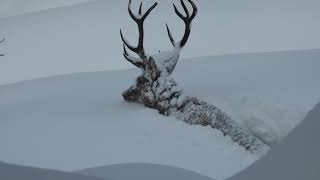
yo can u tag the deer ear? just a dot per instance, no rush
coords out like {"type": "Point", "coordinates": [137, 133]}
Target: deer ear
{"type": "Point", "coordinates": [152, 63]}
{"type": "Point", "coordinates": [152, 69]}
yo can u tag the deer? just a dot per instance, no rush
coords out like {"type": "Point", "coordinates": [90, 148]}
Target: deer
{"type": "Point", "coordinates": [155, 87]}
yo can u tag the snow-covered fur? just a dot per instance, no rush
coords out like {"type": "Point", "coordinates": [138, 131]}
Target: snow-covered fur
{"type": "Point", "coordinates": [156, 89]}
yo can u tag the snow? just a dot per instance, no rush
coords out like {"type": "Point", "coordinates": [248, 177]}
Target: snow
{"type": "Point", "coordinates": [85, 37]}
{"type": "Point", "coordinates": [166, 61]}
{"type": "Point", "coordinates": [16, 172]}
{"type": "Point", "coordinates": [18, 7]}
{"type": "Point", "coordinates": [142, 171]}
{"type": "Point", "coordinates": [270, 93]}
{"type": "Point", "coordinates": [79, 121]}
{"type": "Point", "coordinates": [296, 158]}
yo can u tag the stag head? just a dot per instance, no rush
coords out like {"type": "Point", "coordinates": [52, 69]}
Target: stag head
{"type": "Point", "coordinates": [165, 61]}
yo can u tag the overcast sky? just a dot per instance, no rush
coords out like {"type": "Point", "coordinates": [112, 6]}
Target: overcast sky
{"type": "Point", "coordinates": [233, 26]}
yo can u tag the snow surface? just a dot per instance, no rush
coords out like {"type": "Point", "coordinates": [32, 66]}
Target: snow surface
{"type": "Point", "coordinates": [296, 158]}
{"type": "Point", "coordinates": [270, 93]}
{"type": "Point", "coordinates": [85, 37]}
{"type": "Point", "coordinates": [142, 171]}
{"type": "Point", "coordinates": [15, 172]}
{"type": "Point", "coordinates": [80, 121]}
{"type": "Point", "coordinates": [18, 7]}
{"type": "Point", "coordinates": [134, 171]}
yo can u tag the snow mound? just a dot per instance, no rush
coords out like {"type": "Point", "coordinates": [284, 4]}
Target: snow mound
{"type": "Point", "coordinates": [296, 158]}
{"type": "Point", "coordinates": [141, 171]}
{"type": "Point", "coordinates": [270, 93]}
{"type": "Point", "coordinates": [15, 172]}
{"type": "Point", "coordinates": [80, 121]}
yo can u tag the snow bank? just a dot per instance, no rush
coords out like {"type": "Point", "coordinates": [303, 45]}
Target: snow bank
{"type": "Point", "coordinates": [142, 171]}
{"type": "Point", "coordinates": [79, 121]}
{"type": "Point", "coordinates": [15, 172]}
{"type": "Point", "coordinates": [296, 158]}
{"type": "Point", "coordinates": [270, 93]}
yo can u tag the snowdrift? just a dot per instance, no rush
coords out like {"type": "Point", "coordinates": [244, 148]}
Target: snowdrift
{"type": "Point", "coordinates": [79, 121]}
{"type": "Point", "coordinates": [15, 172]}
{"type": "Point", "coordinates": [296, 158]}
{"type": "Point", "coordinates": [140, 171]}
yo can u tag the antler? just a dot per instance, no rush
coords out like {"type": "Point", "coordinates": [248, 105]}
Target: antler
{"type": "Point", "coordinates": [186, 19]}
{"type": "Point", "coordinates": [139, 49]}
{"type": "Point", "coordinates": [1, 41]}
{"type": "Point", "coordinates": [133, 60]}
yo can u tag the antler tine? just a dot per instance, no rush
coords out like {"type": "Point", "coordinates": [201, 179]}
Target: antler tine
{"type": "Point", "coordinates": [134, 49]}
{"type": "Point", "coordinates": [142, 17]}
{"type": "Point", "coordinates": [178, 12]}
{"type": "Point", "coordinates": [187, 20]}
{"type": "Point", "coordinates": [125, 52]}
{"type": "Point", "coordinates": [195, 9]}
{"type": "Point", "coordinates": [149, 11]}
{"type": "Point", "coordinates": [139, 20]}
{"type": "Point", "coordinates": [135, 61]}
{"type": "Point", "coordinates": [188, 17]}
{"type": "Point", "coordinates": [185, 8]}
{"type": "Point", "coordinates": [170, 36]}
{"type": "Point", "coordinates": [140, 9]}
{"type": "Point", "coordinates": [131, 13]}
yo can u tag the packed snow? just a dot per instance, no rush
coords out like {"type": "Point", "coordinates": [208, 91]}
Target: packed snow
{"type": "Point", "coordinates": [78, 121]}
